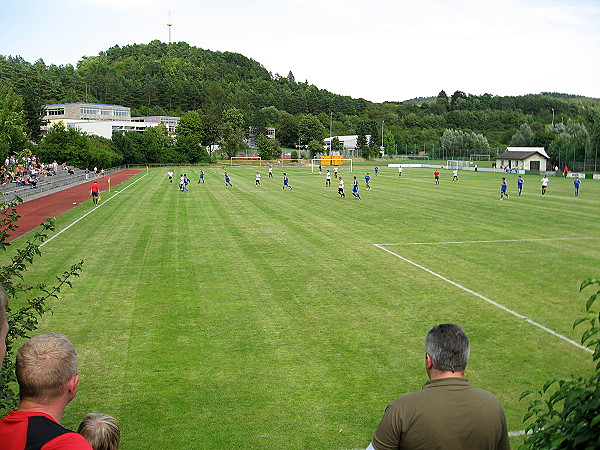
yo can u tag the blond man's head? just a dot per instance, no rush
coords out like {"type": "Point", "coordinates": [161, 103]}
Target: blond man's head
{"type": "Point", "coordinates": [45, 364]}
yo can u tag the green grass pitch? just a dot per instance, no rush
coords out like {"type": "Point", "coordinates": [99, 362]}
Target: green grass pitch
{"type": "Point", "coordinates": [259, 318]}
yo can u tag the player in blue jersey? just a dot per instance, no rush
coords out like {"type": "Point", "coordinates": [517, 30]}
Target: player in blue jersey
{"type": "Point", "coordinates": [503, 187]}
{"type": "Point", "coordinates": [286, 182]}
{"type": "Point", "coordinates": [186, 181]}
{"type": "Point", "coordinates": [376, 170]}
{"type": "Point", "coordinates": [367, 181]}
{"type": "Point", "coordinates": [201, 176]}
{"type": "Point", "coordinates": [227, 181]}
{"type": "Point", "coordinates": [520, 182]}
{"type": "Point", "coordinates": [576, 184]}
{"type": "Point", "coordinates": [355, 188]}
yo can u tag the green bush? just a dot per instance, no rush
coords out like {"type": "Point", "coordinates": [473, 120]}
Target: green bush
{"type": "Point", "coordinates": [566, 413]}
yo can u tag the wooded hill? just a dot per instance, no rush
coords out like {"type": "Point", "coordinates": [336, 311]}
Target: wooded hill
{"type": "Point", "coordinates": [173, 79]}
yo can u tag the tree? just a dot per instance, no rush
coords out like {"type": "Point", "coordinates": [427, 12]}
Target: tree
{"type": "Point", "coordinates": [233, 140]}
{"type": "Point", "coordinates": [389, 143]}
{"type": "Point", "coordinates": [523, 137]}
{"type": "Point", "coordinates": [31, 296]}
{"type": "Point", "coordinates": [315, 147]}
{"type": "Point", "coordinates": [190, 134]}
{"type": "Point", "coordinates": [267, 148]}
{"type": "Point", "coordinates": [361, 145]}
{"type": "Point", "coordinates": [565, 412]}
{"type": "Point", "coordinates": [310, 128]}
{"type": "Point", "coordinates": [336, 144]}
{"type": "Point", "coordinates": [12, 123]}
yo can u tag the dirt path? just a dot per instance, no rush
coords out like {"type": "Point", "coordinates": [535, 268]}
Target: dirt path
{"type": "Point", "coordinates": [35, 211]}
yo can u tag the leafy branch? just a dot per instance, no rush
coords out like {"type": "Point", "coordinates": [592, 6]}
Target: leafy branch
{"type": "Point", "coordinates": [565, 412]}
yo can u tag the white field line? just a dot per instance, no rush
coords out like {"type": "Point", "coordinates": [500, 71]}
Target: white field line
{"type": "Point", "coordinates": [496, 241]}
{"type": "Point", "coordinates": [91, 211]}
{"type": "Point", "coordinates": [492, 302]}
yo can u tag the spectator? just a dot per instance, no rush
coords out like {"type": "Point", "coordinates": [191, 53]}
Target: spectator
{"type": "Point", "coordinates": [101, 431]}
{"type": "Point", "coordinates": [46, 369]}
{"type": "Point", "coordinates": [448, 412]}
{"type": "Point", "coordinates": [3, 323]}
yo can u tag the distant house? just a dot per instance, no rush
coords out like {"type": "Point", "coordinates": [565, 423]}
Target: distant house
{"type": "Point", "coordinates": [524, 158]}
{"type": "Point", "coordinates": [349, 143]}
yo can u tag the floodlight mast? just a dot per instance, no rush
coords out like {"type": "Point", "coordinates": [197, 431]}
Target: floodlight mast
{"type": "Point", "coordinates": [169, 25]}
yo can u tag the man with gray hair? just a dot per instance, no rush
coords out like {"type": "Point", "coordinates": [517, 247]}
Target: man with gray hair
{"type": "Point", "coordinates": [449, 412]}
{"type": "Point", "coordinates": [46, 369]}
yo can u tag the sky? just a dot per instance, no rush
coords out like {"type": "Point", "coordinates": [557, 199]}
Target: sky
{"type": "Point", "coordinates": [379, 50]}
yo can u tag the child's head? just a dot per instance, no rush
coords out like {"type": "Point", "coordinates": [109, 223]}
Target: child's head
{"type": "Point", "coordinates": [101, 431]}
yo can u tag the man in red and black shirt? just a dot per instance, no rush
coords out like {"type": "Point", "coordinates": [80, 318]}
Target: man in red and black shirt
{"type": "Point", "coordinates": [95, 192]}
{"type": "Point", "coordinates": [46, 370]}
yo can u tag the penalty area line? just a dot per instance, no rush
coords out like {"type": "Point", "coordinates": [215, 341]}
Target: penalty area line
{"type": "Point", "coordinates": [490, 301]}
{"type": "Point", "coordinates": [91, 211]}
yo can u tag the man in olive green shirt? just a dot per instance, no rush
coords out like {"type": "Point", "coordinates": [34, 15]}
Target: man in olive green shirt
{"type": "Point", "coordinates": [449, 412]}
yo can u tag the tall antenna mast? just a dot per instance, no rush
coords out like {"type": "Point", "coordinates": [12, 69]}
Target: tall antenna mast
{"type": "Point", "coordinates": [169, 25]}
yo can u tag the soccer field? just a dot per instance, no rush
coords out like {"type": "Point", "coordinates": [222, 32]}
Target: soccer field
{"type": "Point", "coordinates": [252, 317]}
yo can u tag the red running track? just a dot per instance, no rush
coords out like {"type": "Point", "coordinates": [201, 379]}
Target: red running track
{"type": "Point", "coordinates": [35, 211]}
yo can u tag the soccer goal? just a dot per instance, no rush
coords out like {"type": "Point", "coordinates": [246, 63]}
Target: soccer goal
{"type": "Point", "coordinates": [329, 161]}
{"type": "Point", "coordinates": [290, 162]}
{"type": "Point", "coordinates": [246, 161]}
{"type": "Point", "coordinates": [480, 157]}
{"type": "Point", "coordinates": [458, 164]}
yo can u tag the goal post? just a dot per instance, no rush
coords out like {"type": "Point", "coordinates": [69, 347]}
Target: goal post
{"type": "Point", "coordinates": [246, 161]}
{"type": "Point", "coordinates": [458, 164]}
{"type": "Point", "coordinates": [329, 161]}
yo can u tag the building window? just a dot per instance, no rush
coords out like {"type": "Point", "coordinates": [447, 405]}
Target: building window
{"type": "Point", "coordinates": [55, 112]}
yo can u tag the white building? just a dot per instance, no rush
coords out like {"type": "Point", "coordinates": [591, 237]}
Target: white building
{"type": "Point", "coordinates": [349, 143]}
{"type": "Point", "coordinates": [106, 129]}
{"type": "Point", "coordinates": [102, 120]}
{"type": "Point", "coordinates": [524, 158]}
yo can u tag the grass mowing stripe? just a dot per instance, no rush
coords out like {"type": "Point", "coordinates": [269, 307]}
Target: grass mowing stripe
{"type": "Point", "coordinates": [88, 213]}
{"type": "Point", "coordinates": [496, 304]}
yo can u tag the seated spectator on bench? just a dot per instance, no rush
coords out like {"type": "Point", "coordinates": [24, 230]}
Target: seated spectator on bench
{"type": "Point", "coordinates": [101, 431]}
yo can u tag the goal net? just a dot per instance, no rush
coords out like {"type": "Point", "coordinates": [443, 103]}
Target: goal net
{"type": "Point", "coordinates": [246, 161]}
{"type": "Point", "coordinates": [480, 157]}
{"type": "Point", "coordinates": [458, 164]}
{"type": "Point", "coordinates": [290, 162]}
{"type": "Point", "coordinates": [329, 162]}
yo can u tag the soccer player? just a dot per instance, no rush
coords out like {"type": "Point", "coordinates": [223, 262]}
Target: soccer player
{"type": "Point", "coordinates": [328, 179]}
{"type": "Point", "coordinates": [286, 182]}
{"type": "Point", "coordinates": [576, 184]}
{"type": "Point", "coordinates": [257, 179]}
{"type": "Point", "coordinates": [335, 171]}
{"type": "Point", "coordinates": [367, 181]}
{"type": "Point", "coordinates": [170, 175]}
{"type": "Point", "coordinates": [545, 181]}
{"type": "Point", "coordinates": [436, 176]}
{"type": "Point", "coordinates": [503, 187]}
{"type": "Point", "coordinates": [227, 181]}
{"type": "Point", "coordinates": [270, 172]}
{"type": "Point", "coordinates": [399, 171]}
{"type": "Point", "coordinates": [95, 190]}
{"type": "Point", "coordinates": [520, 182]}
{"type": "Point", "coordinates": [455, 175]}
{"type": "Point", "coordinates": [341, 188]}
{"type": "Point", "coordinates": [355, 188]}
{"type": "Point", "coordinates": [186, 181]}
{"type": "Point", "coordinates": [201, 176]}
{"type": "Point", "coordinates": [376, 170]}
